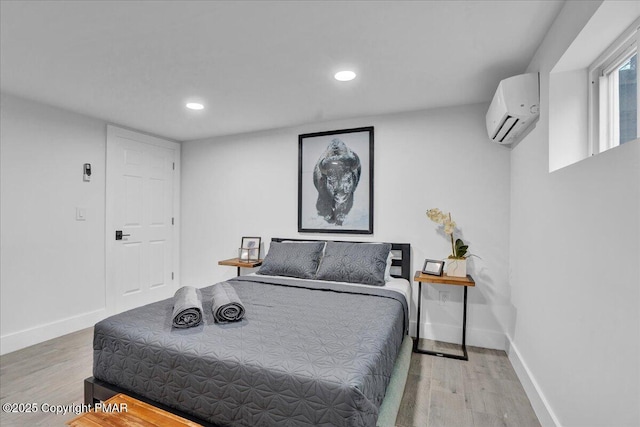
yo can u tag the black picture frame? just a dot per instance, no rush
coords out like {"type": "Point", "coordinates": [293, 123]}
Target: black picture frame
{"type": "Point", "coordinates": [249, 249]}
{"type": "Point", "coordinates": [342, 156]}
{"type": "Point", "coordinates": [433, 267]}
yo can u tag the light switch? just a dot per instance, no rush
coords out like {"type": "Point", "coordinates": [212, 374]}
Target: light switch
{"type": "Point", "coordinates": [81, 214]}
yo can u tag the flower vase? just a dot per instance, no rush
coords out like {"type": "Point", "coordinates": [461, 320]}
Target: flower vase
{"type": "Point", "coordinates": [456, 267]}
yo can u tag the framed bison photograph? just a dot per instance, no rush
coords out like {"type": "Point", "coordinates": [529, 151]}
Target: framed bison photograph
{"type": "Point", "coordinates": [335, 181]}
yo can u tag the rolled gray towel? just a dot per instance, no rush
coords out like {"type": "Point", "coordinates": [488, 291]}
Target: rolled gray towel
{"type": "Point", "coordinates": [187, 307]}
{"type": "Point", "coordinates": [226, 306]}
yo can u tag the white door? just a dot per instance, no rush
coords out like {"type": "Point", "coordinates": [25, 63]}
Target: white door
{"type": "Point", "coordinates": [142, 203]}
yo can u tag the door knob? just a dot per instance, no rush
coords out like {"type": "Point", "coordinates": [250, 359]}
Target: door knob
{"type": "Point", "coordinates": [119, 235]}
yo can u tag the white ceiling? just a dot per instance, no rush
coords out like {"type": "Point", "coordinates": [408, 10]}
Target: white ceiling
{"type": "Point", "coordinates": [264, 64]}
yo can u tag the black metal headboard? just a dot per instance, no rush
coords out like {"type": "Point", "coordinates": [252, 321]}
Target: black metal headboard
{"type": "Point", "coordinates": [401, 255]}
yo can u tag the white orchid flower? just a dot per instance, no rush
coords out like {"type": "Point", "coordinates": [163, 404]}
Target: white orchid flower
{"type": "Point", "coordinates": [436, 215]}
{"type": "Point", "coordinates": [433, 214]}
{"type": "Point", "coordinates": [458, 251]}
{"type": "Point", "coordinates": [449, 226]}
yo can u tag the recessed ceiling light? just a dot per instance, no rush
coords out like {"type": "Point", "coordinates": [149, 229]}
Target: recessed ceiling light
{"type": "Point", "coordinates": [195, 106]}
{"type": "Point", "coordinates": [345, 76]}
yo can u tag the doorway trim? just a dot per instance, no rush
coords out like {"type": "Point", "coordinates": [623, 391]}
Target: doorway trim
{"type": "Point", "coordinates": [113, 132]}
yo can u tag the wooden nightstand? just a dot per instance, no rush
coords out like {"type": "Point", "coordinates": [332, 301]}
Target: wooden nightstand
{"type": "Point", "coordinates": [465, 282]}
{"type": "Point", "coordinates": [237, 262]}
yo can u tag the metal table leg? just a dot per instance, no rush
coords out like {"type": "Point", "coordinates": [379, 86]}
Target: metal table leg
{"type": "Point", "coordinates": [465, 356]}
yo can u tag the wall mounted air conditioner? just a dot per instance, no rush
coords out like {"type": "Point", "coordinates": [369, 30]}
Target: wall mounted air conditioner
{"type": "Point", "coordinates": [514, 108]}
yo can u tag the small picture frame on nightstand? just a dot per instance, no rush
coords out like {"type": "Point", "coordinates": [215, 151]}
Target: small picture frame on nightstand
{"type": "Point", "coordinates": [433, 267]}
{"type": "Point", "coordinates": [249, 249]}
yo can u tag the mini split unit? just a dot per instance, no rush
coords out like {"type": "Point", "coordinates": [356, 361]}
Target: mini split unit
{"type": "Point", "coordinates": [514, 108]}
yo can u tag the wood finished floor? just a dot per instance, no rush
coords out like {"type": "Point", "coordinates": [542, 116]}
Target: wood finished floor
{"type": "Point", "coordinates": [483, 392]}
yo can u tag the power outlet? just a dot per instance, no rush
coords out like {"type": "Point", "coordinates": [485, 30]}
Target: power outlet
{"type": "Point", "coordinates": [444, 297]}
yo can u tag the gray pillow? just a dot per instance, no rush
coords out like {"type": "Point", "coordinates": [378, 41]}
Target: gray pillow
{"type": "Point", "coordinates": [354, 263]}
{"type": "Point", "coordinates": [292, 259]}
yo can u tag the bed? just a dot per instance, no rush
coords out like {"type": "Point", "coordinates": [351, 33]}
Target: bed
{"type": "Point", "coordinates": [308, 351]}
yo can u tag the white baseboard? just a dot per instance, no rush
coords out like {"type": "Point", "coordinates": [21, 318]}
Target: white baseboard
{"type": "Point", "coordinates": [545, 414]}
{"type": "Point", "coordinates": [37, 334]}
{"type": "Point", "coordinates": [448, 333]}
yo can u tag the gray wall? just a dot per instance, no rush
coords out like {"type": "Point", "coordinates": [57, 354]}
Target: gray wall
{"type": "Point", "coordinates": [575, 265]}
{"type": "Point", "coordinates": [246, 185]}
{"type": "Point", "coordinates": [52, 279]}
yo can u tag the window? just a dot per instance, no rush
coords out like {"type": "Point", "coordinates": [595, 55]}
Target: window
{"type": "Point", "coordinates": [614, 93]}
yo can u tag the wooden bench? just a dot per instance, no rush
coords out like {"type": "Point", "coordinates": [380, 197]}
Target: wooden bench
{"type": "Point", "coordinates": [124, 411]}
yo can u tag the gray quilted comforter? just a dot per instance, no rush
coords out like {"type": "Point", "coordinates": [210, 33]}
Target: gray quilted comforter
{"type": "Point", "coordinates": [306, 353]}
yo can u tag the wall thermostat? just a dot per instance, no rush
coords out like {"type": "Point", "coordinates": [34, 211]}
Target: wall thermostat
{"type": "Point", "coordinates": [86, 172]}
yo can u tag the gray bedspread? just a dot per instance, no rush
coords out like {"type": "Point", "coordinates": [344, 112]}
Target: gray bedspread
{"type": "Point", "coordinates": [305, 353]}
